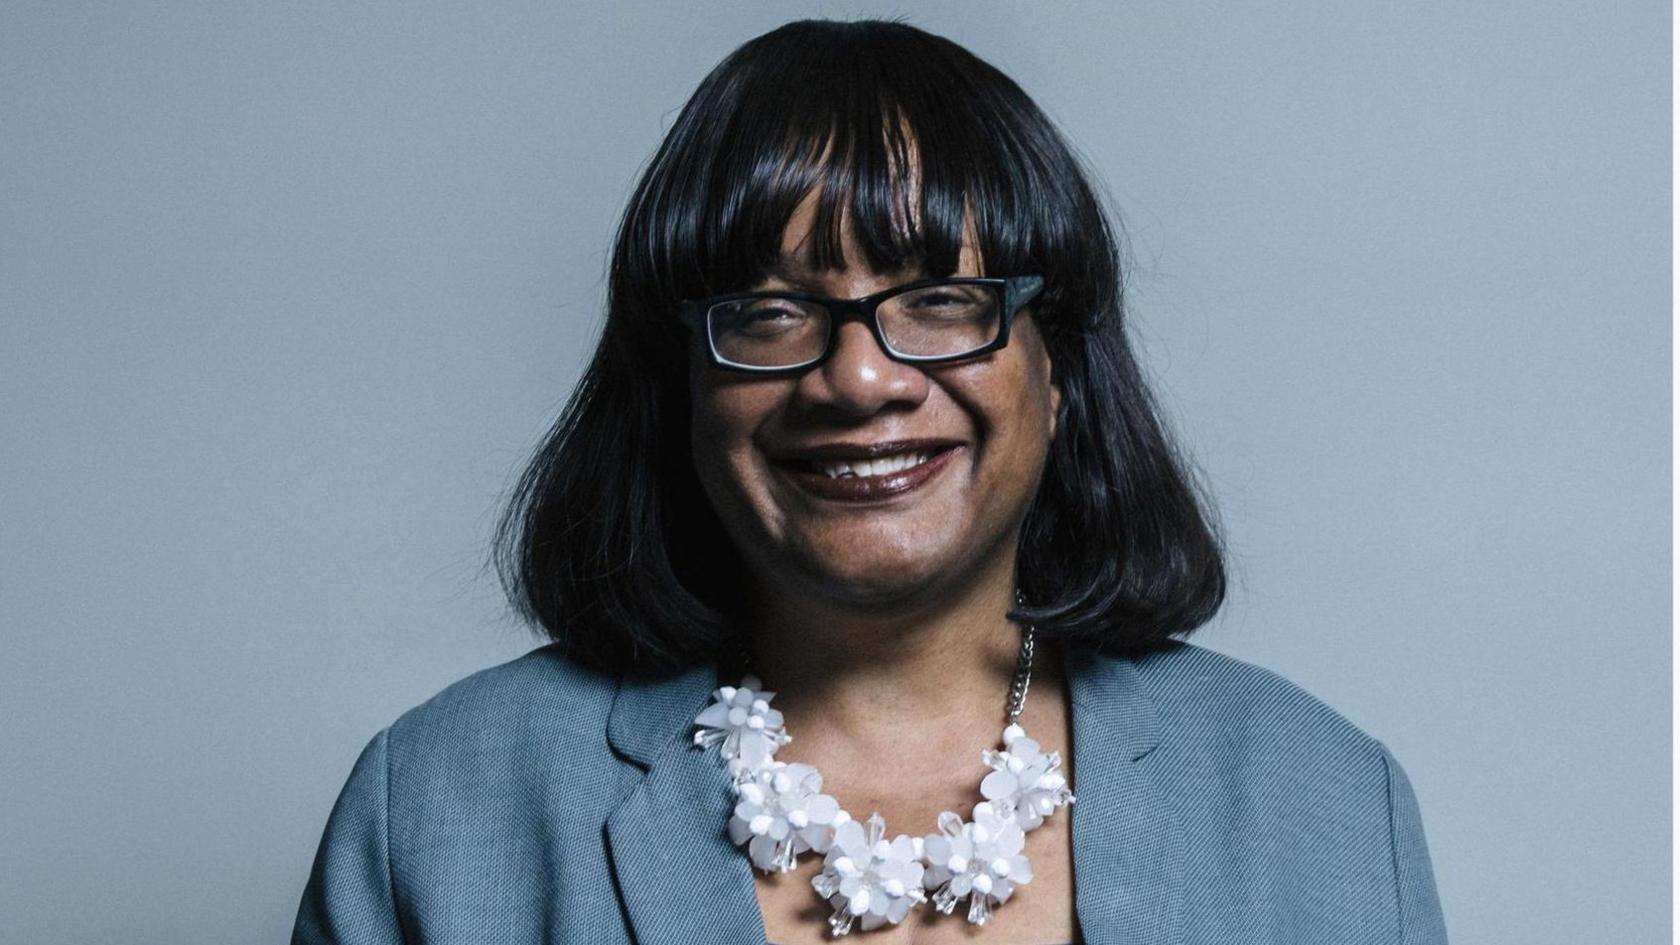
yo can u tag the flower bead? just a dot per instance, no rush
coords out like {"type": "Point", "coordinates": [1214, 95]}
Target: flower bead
{"type": "Point", "coordinates": [869, 879]}
{"type": "Point", "coordinates": [980, 860]}
{"type": "Point", "coordinates": [1025, 782]}
{"type": "Point", "coordinates": [781, 813]}
{"type": "Point", "coordinates": [743, 726]}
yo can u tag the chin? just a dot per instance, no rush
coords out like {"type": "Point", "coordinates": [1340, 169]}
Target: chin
{"type": "Point", "coordinates": [878, 579]}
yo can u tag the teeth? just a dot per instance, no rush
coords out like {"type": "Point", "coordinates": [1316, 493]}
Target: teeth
{"type": "Point", "coordinates": [874, 467]}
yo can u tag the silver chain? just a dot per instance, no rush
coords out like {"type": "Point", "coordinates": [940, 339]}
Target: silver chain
{"type": "Point", "coordinates": [1017, 686]}
{"type": "Point", "coordinates": [1023, 669]}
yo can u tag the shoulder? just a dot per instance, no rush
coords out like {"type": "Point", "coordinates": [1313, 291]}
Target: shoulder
{"type": "Point", "coordinates": [493, 717]}
{"type": "Point", "coordinates": [1203, 693]}
{"type": "Point", "coordinates": [1274, 794]}
{"type": "Point", "coordinates": [494, 790]}
{"type": "Point", "coordinates": [1238, 729]}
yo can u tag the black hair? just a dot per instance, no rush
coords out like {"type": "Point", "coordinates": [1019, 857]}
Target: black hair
{"type": "Point", "coordinates": [608, 543]}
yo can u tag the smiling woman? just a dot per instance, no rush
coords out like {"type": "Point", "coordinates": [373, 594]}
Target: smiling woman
{"type": "Point", "coordinates": [864, 475]}
{"type": "Point", "coordinates": [864, 438]}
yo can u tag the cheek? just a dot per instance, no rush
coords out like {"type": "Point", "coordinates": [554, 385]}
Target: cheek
{"type": "Point", "coordinates": [1020, 412]}
{"type": "Point", "coordinates": [710, 426]}
{"type": "Point", "coordinates": [1040, 404]}
{"type": "Point", "coordinates": [722, 424]}
{"type": "Point", "coordinates": [1031, 424]}
{"type": "Point", "coordinates": [706, 420]}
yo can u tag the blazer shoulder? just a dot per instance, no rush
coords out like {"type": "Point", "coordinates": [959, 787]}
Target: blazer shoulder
{"type": "Point", "coordinates": [1268, 780]}
{"type": "Point", "coordinates": [541, 694]}
{"type": "Point", "coordinates": [1205, 695]}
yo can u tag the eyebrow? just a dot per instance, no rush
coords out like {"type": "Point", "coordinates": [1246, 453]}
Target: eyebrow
{"type": "Point", "coordinates": [789, 268]}
{"type": "Point", "coordinates": [794, 272]}
{"type": "Point", "coordinates": [791, 272]}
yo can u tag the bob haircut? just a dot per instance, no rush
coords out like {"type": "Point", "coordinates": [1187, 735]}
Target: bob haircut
{"type": "Point", "coordinates": [608, 542]}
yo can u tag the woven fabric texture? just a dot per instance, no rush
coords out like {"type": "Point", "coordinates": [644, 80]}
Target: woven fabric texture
{"type": "Point", "coordinates": [537, 801]}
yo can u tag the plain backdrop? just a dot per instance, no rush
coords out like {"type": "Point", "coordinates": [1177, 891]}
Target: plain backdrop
{"type": "Point", "coordinates": [290, 290]}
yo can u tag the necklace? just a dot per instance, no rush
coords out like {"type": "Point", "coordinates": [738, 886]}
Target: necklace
{"type": "Point", "coordinates": [781, 812]}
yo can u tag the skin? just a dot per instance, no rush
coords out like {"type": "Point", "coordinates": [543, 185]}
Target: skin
{"type": "Point", "coordinates": [882, 628]}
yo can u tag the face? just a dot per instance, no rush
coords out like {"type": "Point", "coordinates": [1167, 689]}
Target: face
{"type": "Point", "coordinates": [977, 431]}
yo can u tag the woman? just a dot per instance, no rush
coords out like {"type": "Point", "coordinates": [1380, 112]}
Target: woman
{"type": "Point", "coordinates": [862, 549]}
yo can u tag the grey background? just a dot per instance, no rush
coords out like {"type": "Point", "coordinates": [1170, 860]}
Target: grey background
{"type": "Point", "coordinates": [290, 289]}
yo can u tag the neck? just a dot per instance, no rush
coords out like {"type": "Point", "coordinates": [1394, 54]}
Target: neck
{"type": "Point", "coordinates": [874, 673]}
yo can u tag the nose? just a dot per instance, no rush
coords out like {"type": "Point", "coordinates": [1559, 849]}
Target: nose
{"type": "Point", "coordinates": [858, 379]}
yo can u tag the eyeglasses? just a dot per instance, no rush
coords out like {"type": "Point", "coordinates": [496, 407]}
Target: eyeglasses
{"type": "Point", "coordinates": [929, 321]}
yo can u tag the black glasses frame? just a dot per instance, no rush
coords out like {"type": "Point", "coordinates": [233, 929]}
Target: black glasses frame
{"type": "Point", "coordinates": [1017, 291]}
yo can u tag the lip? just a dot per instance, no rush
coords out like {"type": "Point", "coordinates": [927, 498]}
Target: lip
{"type": "Point", "coordinates": [866, 488]}
{"type": "Point", "coordinates": [840, 452]}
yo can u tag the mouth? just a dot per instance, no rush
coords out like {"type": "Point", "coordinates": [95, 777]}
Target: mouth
{"type": "Point", "coordinates": [859, 472]}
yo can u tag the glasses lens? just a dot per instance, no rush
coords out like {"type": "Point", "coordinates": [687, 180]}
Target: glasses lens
{"type": "Point", "coordinates": [768, 332]}
{"type": "Point", "coordinates": [942, 320]}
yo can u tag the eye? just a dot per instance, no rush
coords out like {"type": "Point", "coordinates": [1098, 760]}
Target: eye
{"type": "Point", "coordinates": [945, 302]}
{"type": "Point", "coordinates": [941, 298]}
{"type": "Point", "coordinates": [764, 318]}
{"type": "Point", "coordinates": [771, 311]}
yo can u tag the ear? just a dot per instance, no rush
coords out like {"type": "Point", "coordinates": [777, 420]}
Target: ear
{"type": "Point", "coordinates": [1049, 368]}
{"type": "Point", "coordinates": [1047, 365]}
{"type": "Point", "coordinates": [1055, 409]}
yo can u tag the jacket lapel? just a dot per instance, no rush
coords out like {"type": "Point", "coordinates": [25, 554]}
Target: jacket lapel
{"type": "Point", "coordinates": [1128, 855]}
{"type": "Point", "coordinates": [681, 879]}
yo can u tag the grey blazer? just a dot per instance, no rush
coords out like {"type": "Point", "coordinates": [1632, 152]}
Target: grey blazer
{"type": "Point", "coordinates": [537, 801]}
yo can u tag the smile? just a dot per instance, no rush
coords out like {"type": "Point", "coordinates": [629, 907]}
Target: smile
{"type": "Point", "coordinates": [865, 478]}
{"type": "Point", "coordinates": [873, 467]}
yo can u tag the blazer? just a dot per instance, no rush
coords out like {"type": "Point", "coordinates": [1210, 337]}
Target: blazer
{"type": "Point", "coordinates": [538, 801]}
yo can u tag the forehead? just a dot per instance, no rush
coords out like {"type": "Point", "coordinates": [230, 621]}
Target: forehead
{"type": "Point", "coordinates": [812, 194]}
{"type": "Point", "coordinates": [803, 255]}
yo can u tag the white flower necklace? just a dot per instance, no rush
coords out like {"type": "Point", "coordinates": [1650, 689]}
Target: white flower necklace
{"type": "Point", "coordinates": [781, 812]}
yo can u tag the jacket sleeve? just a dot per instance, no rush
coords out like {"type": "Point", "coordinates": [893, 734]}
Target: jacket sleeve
{"type": "Point", "coordinates": [1421, 922]}
{"type": "Point", "coordinates": [350, 899]}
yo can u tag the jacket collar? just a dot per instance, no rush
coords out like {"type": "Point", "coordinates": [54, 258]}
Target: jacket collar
{"type": "Point", "coordinates": [683, 881]}
{"type": "Point", "coordinates": [650, 716]}
{"type": "Point", "coordinates": [1128, 850]}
